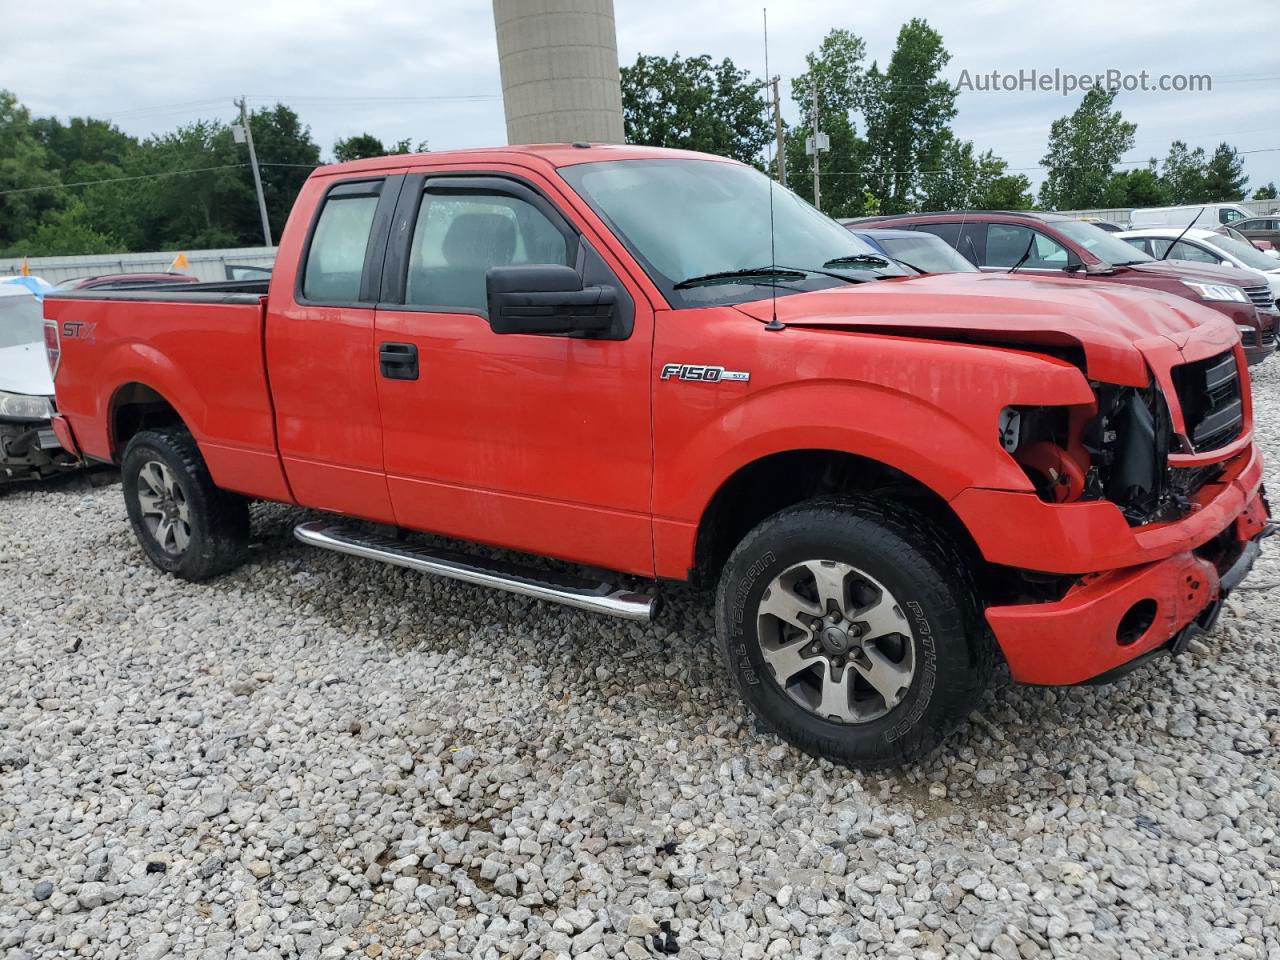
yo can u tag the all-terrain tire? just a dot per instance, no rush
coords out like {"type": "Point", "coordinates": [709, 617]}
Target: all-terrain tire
{"type": "Point", "coordinates": [214, 536]}
{"type": "Point", "coordinates": [953, 653]}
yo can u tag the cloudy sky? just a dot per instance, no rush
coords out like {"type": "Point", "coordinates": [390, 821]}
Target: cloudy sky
{"type": "Point", "coordinates": [430, 70]}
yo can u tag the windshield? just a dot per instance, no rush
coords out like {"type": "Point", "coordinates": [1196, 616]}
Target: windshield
{"type": "Point", "coordinates": [1103, 245]}
{"type": "Point", "coordinates": [21, 320]}
{"type": "Point", "coordinates": [685, 218]}
{"type": "Point", "coordinates": [1246, 253]}
{"type": "Point", "coordinates": [928, 253]}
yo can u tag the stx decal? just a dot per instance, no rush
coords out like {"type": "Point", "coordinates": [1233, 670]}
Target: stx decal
{"type": "Point", "coordinates": [78, 331]}
{"type": "Point", "coordinates": [702, 373]}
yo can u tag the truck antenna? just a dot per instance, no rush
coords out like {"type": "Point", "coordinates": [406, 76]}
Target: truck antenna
{"type": "Point", "coordinates": [773, 324]}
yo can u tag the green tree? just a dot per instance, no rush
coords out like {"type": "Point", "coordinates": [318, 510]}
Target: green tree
{"type": "Point", "coordinates": [82, 146]}
{"type": "Point", "coordinates": [1224, 177]}
{"type": "Point", "coordinates": [1183, 175]}
{"type": "Point", "coordinates": [835, 71]}
{"type": "Point", "coordinates": [694, 104]}
{"type": "Point", "coordinates": [69, 231]}
{"type": "Point", "coordinates": [1083, 151]}
{"type": "Point", "coordinates": [1136, 188]}
{"type": "Point", "coordinates": [27, 175]}
{"type": "Point", "coordinates": [1265, 193]}
{"type": "Point", "coordinates": [963, 181]}
{"type": "Point", "coordinates": [358, 147]}
{"type": "Point", "coordinates": [364, 145]}
{"type": "Point", "coordinates": [908, 109]}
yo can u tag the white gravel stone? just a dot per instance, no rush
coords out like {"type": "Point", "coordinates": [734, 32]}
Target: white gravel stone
{"type": "Point", "coordinates": [332, 758]}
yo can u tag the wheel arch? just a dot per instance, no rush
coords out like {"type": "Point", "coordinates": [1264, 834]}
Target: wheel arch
{"type": "Point", "coordinates": [771, 483]}
{"type": "Point", "coordinates": [134, 407]}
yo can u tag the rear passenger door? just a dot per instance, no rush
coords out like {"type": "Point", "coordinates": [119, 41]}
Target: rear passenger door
{"type": "Point", "coordinates": [320, 349]}
{"type": "Point", "coordinates": [539, 443]}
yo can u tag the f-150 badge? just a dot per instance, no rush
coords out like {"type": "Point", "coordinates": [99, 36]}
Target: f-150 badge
{"type": "Point", "coordinates": [702, 373]}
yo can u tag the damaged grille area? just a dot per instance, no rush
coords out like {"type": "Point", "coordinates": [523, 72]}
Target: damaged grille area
{"type": "Point", "coordinates": [1211, 401]}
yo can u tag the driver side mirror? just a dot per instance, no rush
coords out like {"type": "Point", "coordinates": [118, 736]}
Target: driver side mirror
{"type": "Point", "coordinates": [547, 299]}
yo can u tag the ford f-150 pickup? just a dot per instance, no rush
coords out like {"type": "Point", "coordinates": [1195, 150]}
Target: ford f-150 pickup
{"type": "Point", "coordinates": [661, 364]}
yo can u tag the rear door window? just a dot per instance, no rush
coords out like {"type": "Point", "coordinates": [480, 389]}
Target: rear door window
{"type": "Point", "coordinates": [339, 243]}
{"type": "Point", "coordinates": [1184, 251]}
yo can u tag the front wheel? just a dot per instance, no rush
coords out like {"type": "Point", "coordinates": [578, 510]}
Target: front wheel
{"type": "Point", "coordinates": [185, 524]}
{"type": "Point", "coordinates": [851, 629]}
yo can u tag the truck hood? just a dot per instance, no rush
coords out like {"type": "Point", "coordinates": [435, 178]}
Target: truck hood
{"type": "Point", "coordinates": [25, 369]}
{"type": "Point", "coordinates": [1112, 328]}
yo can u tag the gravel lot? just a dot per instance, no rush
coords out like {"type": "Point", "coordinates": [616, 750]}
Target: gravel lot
{"type": "Point", "coordinates": [323, 757]}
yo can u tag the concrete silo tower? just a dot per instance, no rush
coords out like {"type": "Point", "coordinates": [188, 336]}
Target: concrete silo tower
{"type": "Point", "coordinates": [559, 63]}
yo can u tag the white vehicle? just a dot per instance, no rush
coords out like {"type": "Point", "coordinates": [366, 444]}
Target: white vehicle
{"type": "Point", "coordinates": [1207, 246]}
{"type": "Point", "coordinates": [28, 446]}
{"type": "Point", "coordinates": [1214, 214]}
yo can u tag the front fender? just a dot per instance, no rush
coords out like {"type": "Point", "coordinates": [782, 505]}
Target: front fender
{"type": "Point", "coordinates": [937, 425]}
{"type": "Point", "coordinates": [928, 410]}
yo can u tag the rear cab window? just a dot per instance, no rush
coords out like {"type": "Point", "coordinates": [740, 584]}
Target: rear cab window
{"type": "Point", "coordinates": [339, 243]}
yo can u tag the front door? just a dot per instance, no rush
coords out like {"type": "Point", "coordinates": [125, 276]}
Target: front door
{"type": "Point", "coordinates": [537, 443]}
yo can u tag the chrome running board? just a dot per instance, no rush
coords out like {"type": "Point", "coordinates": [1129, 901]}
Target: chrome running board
{"type": "Point", "coordinates": [598, 597]}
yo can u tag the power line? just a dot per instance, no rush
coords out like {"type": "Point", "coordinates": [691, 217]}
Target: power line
{"type": "Point", "coordinates": [144, 176]}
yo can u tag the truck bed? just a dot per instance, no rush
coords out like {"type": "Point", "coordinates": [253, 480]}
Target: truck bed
{"type": "Point", "coordinates": [199, 348]}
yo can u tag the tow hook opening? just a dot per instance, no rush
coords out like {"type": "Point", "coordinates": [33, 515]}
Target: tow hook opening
{"type": "Point", "coordinates": [1136, 622]}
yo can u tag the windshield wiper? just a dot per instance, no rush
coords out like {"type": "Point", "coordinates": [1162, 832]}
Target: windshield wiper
{"type": "Point", "coordinates": [870, 259]}
{"type": "Point", "coordinates": [750, 275]}
{"type": "Point", "coordinates": [908, 263]}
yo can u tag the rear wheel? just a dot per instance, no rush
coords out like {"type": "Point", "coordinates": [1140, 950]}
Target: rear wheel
{"type": "Point", "coordinates": [851, 628]}
{"type": "Point", "coordinates": [185, 524]}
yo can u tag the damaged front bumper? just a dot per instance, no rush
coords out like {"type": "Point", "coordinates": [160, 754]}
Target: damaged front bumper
{"type": "Point", "coordinates": [1109, 623]}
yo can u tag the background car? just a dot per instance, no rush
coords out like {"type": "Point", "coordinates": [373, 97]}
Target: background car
{"type": "Point", "coordinates": [1266, 229]}
{"type": "Point", "coordinates": [1262, 245]}
{"type": "Point", "coordinates": [920, 251]}
{"type": "Point", "coordinates": [1206, 246]}
{"type": "Point", "coordinates": [125, 281]}
{"type": "Point", "coordinates": [1106, 225]}
{"type": "Point", "coordinates": [1051, 243]}
{"type": "Point", "coordinates": [243, 271]}
{"type": "Point", "coordinates": [28, 447]}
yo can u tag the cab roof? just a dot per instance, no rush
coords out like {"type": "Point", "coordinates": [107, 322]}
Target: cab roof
{"type": "Point", "coordinates": [549, 154]}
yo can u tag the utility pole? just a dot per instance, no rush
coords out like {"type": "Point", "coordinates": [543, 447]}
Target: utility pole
{"type": "Point", "coordinates": [817, 150]}
{"type": "Point", "coordinates": [777, 131]}
{"type": "Point", "coordinates": [257, 177]}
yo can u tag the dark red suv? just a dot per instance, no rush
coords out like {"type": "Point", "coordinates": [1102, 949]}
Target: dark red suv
{"type": "Point", "coordinates": [1050, 243]}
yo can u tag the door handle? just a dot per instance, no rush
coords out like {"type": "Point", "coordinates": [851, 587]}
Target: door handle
{"type": "Point", "coordinates": [398, 361]}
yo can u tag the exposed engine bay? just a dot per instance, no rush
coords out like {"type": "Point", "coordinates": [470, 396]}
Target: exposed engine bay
{"type": "Point", "coordinates": [1118, 448]}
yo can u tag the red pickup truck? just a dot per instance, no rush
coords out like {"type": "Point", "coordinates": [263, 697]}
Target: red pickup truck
{"type": "Point", "coordinates": [659, 363]}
